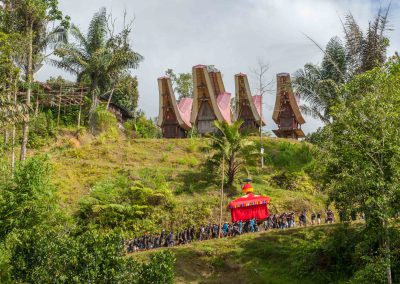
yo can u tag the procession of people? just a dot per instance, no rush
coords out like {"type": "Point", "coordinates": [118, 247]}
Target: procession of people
{"type": "Point", "coordinates": [212, 231]}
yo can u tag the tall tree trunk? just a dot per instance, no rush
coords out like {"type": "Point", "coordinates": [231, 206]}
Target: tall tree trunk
{"type": "Point", "coordinates": [6, 129]}
{"type": "Point", "coordinates": [13, 136]}
{"type": "Point", "coordinates": [6, 136]}
{"type": "Point", "coordinates": [261, 126]}
{"type": "Point", "coordinates": [37, 105]}
{"type": "Point", "coordinates": [13, 150]}
{"type": "Point", "coordinates": [25, 127]}
{"type": "Point", "coordinates": [221, 196]}
{"type": "Point", "coordinates": [94, 104]}
{"type": "Point", "coordinates": [386, 247]}
{"type": "Point", "coordinates": [110, 96]}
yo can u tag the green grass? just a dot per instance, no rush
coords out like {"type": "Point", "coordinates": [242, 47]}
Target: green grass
{"type": "Point", "coordinates": [81, 161]}
{"type": "Point", "coordinates": [272, 257]}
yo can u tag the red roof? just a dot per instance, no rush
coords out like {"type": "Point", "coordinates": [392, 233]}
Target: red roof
{"type": "Point", "coordinates": [185, 109]}
{"type": "Point", "coordinates": [224, 104]}
{"type": "Point", "coordinates": [257, 103]}
{"type": "Point", "coordinates": [249, 200]}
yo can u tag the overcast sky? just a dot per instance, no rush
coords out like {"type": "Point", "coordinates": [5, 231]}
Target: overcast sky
{"type": "Point", "coordinates": [230, 34]}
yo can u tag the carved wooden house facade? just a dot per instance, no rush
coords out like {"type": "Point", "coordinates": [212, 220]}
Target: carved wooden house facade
{"type": "Point", "coordinates": [248, 107]}
{"type": "Point", "coordinates": [287, 114]}
{"type": "Point", "coordinates": [174, 118]}
{"type": "Point", "coordinates": [210, 100]}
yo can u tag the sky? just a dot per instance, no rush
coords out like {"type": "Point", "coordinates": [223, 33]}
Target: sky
{"type": "Point", "coordinates": [230, 34]}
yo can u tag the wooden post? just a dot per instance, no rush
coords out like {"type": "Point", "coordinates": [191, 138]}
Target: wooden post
{"type": "Point", "coordinates": [222, 196]}
{"type": "Point", "coordinates": [13, 136]}
{"type": "Point", "coordinates": [261, 125]}
{"type": "Point", "coordinates": [80, 108]}
{"type": "Point", "coordinates": [37, 105]}
{"type": "Point", "coordinates": [59, 107]}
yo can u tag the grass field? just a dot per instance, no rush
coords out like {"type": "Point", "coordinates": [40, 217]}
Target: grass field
{"type": "Point", "coordinates": [273, 257]}
{"type": "Point", "coordinates": [81, 161]}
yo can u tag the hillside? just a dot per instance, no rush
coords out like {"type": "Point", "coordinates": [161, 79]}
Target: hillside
{"type": "Point", "coordinates": [83, 162]}
{"type": "Point", "coordinates": [271, 257]}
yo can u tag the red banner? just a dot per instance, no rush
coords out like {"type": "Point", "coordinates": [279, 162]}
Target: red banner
{"type": "Point", "coordinates": [248, 207]}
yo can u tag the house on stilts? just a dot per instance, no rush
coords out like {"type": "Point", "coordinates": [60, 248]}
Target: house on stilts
{"type": "Point", "coordinates": [248, 107]}
{"type": "Point", "coordinates": [287, 113]}
{"type": "Point", "coordinates": [174, 117]}
{"type": "Point", "coordinates": [210, 100]}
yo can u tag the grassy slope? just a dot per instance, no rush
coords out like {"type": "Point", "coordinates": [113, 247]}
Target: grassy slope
{"type": "Point", "coordinates": [272, 257]}
{"type": "Point", "coordinates": [82, 161]}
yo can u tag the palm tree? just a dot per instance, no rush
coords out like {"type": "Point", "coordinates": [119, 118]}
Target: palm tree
{"type": "Point", "coordinates": [230, 146]}
{"type": "Point", "coordinates": [320, 86]}
{"type": "Point", "coordinates": [11, 112]}
{"type": "Point", "coordinates": [32, 20]}
{"type": "Point", "coordinates": [98, 56]}
{"type": "Point", "coordinates": [365, 51]}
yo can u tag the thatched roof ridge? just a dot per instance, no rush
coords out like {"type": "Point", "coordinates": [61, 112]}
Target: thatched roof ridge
{"type": "Point", "coordinates": [254, 101]}
{"type": "Point", "coordinates": [284, 85]}
{"type": "Point", "coordinates": [182, 111]}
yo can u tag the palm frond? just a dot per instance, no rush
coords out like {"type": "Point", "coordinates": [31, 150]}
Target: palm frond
{"type": "Point", "coordinates": [97, 33]}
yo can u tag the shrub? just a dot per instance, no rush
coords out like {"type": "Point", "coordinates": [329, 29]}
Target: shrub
{"type": "Point", "coordinates": [124, 204]}
{"type": "Point", "coordinates": [42, 129]}
{"type": "Point", "coordinates": [104, 120]}
{"type": "Point", "coordinates": [289, 156]}
{"type": "Point", "coordinates": [54, 256]}
{"type": "Point", "coordinates": [159, 270]}
{"type": "Point", "coordinates": [142, 127]}
{"type": "Point", "coordinates": [28, 199]}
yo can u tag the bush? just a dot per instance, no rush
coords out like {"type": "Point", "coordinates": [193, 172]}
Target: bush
{"type": "Point", "coordinates": [121, 203]}
{"type": "Point", "coordinates": [159, 270]}
{"type": "Point", "coordinates": [142, 127]}
{"type": "Point", "coordinates": [289, 156]}
{"type": "Point", "coordinates": [28, 199]}
{"type": "Point", "coordinates": [42, 129]}
{"type": "Point", "coordinates": [53, 256]}
{"type": "Point", "coordinates": [104, 120]}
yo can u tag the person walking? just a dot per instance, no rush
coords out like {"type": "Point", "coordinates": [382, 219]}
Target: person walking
{"type": "Point", "coordinates": [313, 217]}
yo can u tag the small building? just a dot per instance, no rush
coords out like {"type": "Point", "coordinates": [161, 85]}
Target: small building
{"type": "Point", "coordinates": [173, 118]}
{"type": "Point", "coordinates": [248, 107]}
{"type": "Point", "coordinates": [210, 100]}
{"type": "Point", "coordinates": [287, 113]}
{"type": "Point", "coordinates": [121, 114]}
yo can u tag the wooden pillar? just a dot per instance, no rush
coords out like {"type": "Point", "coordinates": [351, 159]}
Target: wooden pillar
{"type": "Point", "coordinates": [59, 107]}
{"type": "Point", "coordinates": [80, 108]}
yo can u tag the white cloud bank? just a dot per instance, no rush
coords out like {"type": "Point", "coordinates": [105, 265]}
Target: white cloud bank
{"type": "Point", "coordinates": [230, 34]}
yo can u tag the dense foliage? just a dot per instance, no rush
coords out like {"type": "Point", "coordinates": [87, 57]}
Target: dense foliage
{"type": "Point", "coordinates": [320, 86]}
{"type": "Point", "coordinates": [231, 148]}
{"type": "Point", "coordinates": [362, 157]}
{"type": "Point", "coordinates": [182, 83]}
{"type": "Point", "coordinates": [39, 244]}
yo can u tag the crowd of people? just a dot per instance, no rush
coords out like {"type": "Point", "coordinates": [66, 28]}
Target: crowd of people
{"type": "Point", "coordinates": [212, 231]}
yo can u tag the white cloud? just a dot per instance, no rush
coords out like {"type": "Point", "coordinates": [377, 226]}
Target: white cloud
{"type": "Point", "coordinates": [228, 34]}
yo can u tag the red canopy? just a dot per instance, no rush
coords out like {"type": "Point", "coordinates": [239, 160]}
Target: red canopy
{"type": "Point", "coordinates": [248, 207]}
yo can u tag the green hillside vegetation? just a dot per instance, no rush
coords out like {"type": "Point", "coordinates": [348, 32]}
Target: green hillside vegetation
{"type": "Point", "coordinates": [320, 254]}
{"type": "Point", "coordinates": [146, 184]}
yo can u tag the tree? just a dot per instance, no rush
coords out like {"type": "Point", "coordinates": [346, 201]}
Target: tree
{"type": "Point", "coordinates": [126, 94]}
{"type": "Point", "coordinates": [362, 154]}
{"type": "Point", "coordinates": [11, 111]}
{"type": "Point", "coordinates": [31, 18]}
{"type": "Point", "coordinates": [232, 147]}
{"type": "Point", "coordinates": [262, 87]}
{"type": "Point", "coordinates": [319, 86]}
{"type": "Point", "coordinates": [365, 51]}
{"type": "Point", "coordinates": [98, 56]}
{"type": "Point", "coordinates": [27, 200]}
{"type": "Point", "coordinates": [182, 83]}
